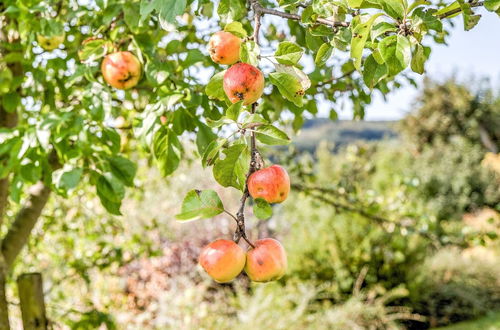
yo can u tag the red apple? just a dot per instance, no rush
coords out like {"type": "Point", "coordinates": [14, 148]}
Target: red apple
{"type": "Point", "coordinates": [224, 48]}
{"type": "Point", "coordinates": [244, 82]}
{"type": "Point", "coordinates": [271, 184]}
{"type": "Point", "coordinates": [121, 70]}
{"type": "Point", "coordinates": [223, 260]}
{"type": "Point", "coordinates": [267, 261]}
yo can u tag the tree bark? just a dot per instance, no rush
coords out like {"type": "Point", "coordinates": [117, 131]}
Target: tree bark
{"type": "Point", "coordinates": [4, 307]}
{"type": "Point", "coordinates": [30, 287]}
{"type": "Point", "coordinates": [7, 120]}
{"type": "Point", "coordinates": [19, 232]}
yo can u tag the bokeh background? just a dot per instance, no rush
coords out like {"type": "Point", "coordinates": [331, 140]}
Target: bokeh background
{"type": "Point", "coordinates": [392, 223]}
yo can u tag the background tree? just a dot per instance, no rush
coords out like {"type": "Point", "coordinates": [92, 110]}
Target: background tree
{"type": "Point", "coordinates": [449, 110]}
{"type": "Point", "coordinates": [59, 117]}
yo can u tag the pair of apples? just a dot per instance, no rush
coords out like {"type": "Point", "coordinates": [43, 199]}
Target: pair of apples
{"type": "Point", "coordinates": [242, 81]}
{"type": "Point", "coordinates": [223, 260]}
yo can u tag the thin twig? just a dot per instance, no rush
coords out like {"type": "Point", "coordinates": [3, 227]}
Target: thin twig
{"type": "Point", "coordinates": [263, 10]}
{"type": "Point", "coordinates": [458, 10]}
{"type": "Point", "coordinates": [231, 215]}
{"type": "Point", "coordinates": [332, 79]}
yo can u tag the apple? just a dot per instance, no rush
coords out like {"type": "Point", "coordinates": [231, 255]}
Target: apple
{"type": "Point", "coordinates": [50, 43]}
{"type": "Point", "coordinates": [271, 184]}
{"type": "Point", "coordinates": [267, 261]}
{"type": "Point", "coordinates": [224, 48]}
{"type": "Point", "coordinates": [163, 120]}
{"type": "Point", "coordinates": [122, 70]}
{"type": "Point", "coordinates": [245, 82]}
{"type": "Point", "coordinates": [223, 260]}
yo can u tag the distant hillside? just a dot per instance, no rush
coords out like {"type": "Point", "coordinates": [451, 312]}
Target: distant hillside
{"type": "Point", "coordinates": [341, 133]}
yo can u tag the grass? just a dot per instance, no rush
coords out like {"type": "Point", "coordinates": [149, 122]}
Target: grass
{"type": "Point", "coordinates": [489, 322]}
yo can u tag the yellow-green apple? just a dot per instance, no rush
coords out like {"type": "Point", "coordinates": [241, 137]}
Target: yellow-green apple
{"type": "Point", "coordinates": [223, 260]}
{"type": "Point", "coordinates": [243, 82]}
{"type": "Point", "coordinates": [271, 184]}
{"type": "Point", "coordinates": [224, 48]}
{"type": "Point", "coordinates": [50, 42]}
{"type": "Point", "coordinates": [121, 70]}
{"type": "Point", "coordinates": [267, 261]}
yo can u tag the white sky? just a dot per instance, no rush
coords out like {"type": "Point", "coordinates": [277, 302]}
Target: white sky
{"type": "Point", "coordinates": [474, 53]}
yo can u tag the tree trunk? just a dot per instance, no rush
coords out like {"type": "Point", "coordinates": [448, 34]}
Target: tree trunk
{"type": "Point", "coordinates": [20, 230]}
{"type": "Point", "coordinates": [30, 288]}
{"type": "Point", "coordinates": [4, 307]}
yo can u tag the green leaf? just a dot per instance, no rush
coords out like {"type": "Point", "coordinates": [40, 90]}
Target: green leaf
{"type": "Point", "coordinates": [382, 28]}
{"type": "Point", "coordinates": [123, 169]}
{"type": "Point", "coordinates": [262, 209]}
{"type": "Point", "coordinates": [193, 56]}
{"type": "Point", "coordinates": [11, 101]}
{"type": "Point", "coordinates": [396, 52]}
{"type": "Point", "coordinates": [470, 20]}
{"type": "Point", "coordinates": [66, 178]}
{"type": "Point", "coordinates": [169, 9]}
{"type": "Point", "coordinates": [249, 53]}
{"type": "Point", "coordinates": [200, 204]}
{"type": "Point", "coordinates": [290, 85]}
{"type": "Point", "coordinates": [5, 80]}
{"type": "Point", "coordinates": [427, 19]}
{"type": "Point", "coordinates": [237, 29]}
{"type": "Point", "coordinates": [233, 112]}
{"type": "Point", "coordinates": [232, 10]}
{"type": "Point", "coordinates": [373, 72]}
{"type": "Point", "coordinates": [211, 151]}
{"type": "Point", "coordinates": [167, 151]}
{"type": "Point", "coordinates": [271, 135]}
{"type": "Point", "coordinates": [418, 59]}
{"type": "Point", "coordinates": [359, 37]}
{"type": "Point", "coordinates": [355, 3]}
{"type": "Point", "coordinates": [214, 88]}
{"type": "Point", "coordinates": [418, 3]}
{"type": "Point", "coordinates": [492, 5]}
{"type": "Point", "coordinates": [254, 119]}
{"type": "Point", "coordinates": [220, 122]}
{"type": "Point", "coordinates": [451, 7]}
{"type": "Point", "coordinates": [288, 53]}
{"type": "Point", "coordinates": [394, 8]}
{"type": "Point", "coordinates": [30, 172]}
{"type": "Point", "coordinates": [323, 55]}
{"type": "Point", "coordinates": [94, 49]}
{"type": "Point", "coordinates": [204, 137]}
{"type": "Point", "coordinates": [231, 171]}
{"type": "Point", "coordinates": [111, 192]}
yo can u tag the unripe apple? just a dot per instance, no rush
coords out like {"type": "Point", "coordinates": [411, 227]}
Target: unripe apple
{"type": "Point", "coordinates": [244, 82]}
{"type": "Point", "coordinates": [267, 261]}
{"type": "Point", "coordinates": [50, 43]}
{"type": "Point", "coordinates": [121, 70]}
{"type": "Point", "coordinates": [223, 260]}
{"type": "Point", "coordinates": [120, 122]}
{"type": "Point", "coordinates": [271, 184]}
{"type": "Point", "coordinates": [224, 48]}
